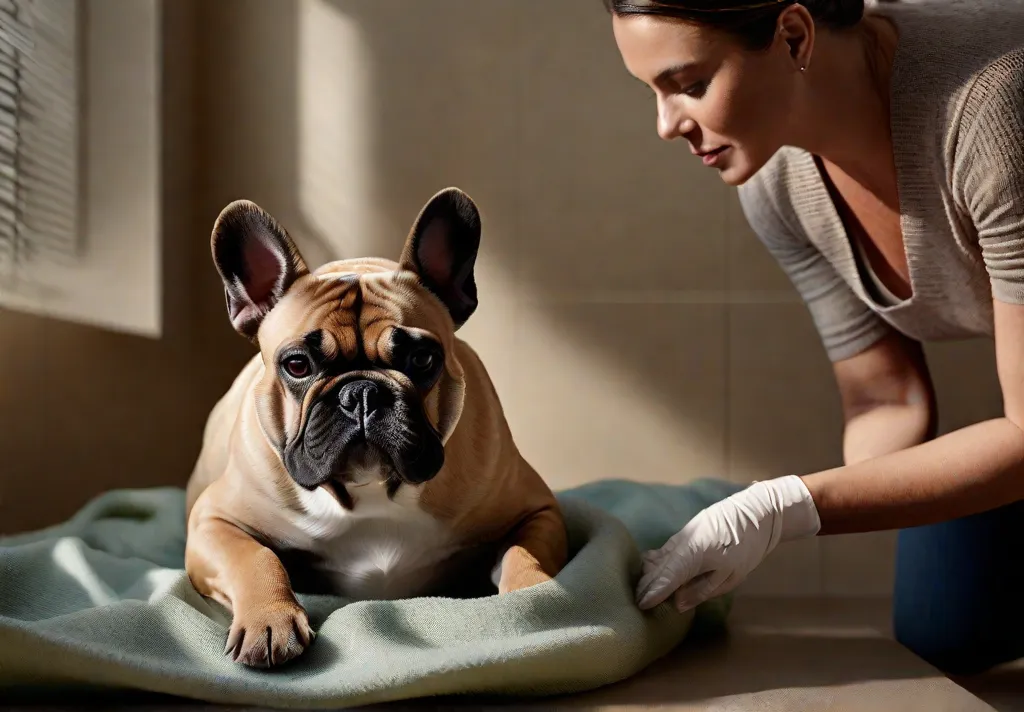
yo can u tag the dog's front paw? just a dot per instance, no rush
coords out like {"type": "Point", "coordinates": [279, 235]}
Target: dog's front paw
{"type": "Point", "coordinates": [523, 578]}
{"type": "Point", "coordinates": [268, 633]}
{"type": "Point", "coordinates": [516, 570]}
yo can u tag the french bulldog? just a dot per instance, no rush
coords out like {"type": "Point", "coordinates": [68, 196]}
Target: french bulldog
{"type": "Point", "coordinates": [363, 451]}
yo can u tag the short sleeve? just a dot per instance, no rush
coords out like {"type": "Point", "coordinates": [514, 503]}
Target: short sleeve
{"type": "Point", "coordinates": [847, 326]}
{"type": "Point", "coordinates": [988, 172]}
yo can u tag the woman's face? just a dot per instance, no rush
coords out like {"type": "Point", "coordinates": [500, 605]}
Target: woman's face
{"type": "Point", "coordinates": [730, 104]}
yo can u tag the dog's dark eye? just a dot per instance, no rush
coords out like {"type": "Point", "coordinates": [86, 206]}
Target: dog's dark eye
{"type": "Point", "coordinates": [422, 360]}
{"type": "Point", "coordinates": [297, 366]}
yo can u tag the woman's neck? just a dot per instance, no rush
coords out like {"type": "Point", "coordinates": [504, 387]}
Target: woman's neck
{"type": "Point", "coordinates": [845, 116]}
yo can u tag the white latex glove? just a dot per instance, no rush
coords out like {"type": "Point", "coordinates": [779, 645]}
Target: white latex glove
{"type": "Point", "coordinates": [720, 546]}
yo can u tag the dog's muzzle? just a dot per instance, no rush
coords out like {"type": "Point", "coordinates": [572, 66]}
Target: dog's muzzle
{"type": "Point", "coordinates": [365, 416]}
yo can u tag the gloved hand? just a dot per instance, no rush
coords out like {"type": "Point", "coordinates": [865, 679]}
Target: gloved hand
{"type": "Point", "coordinates": [720, 546]}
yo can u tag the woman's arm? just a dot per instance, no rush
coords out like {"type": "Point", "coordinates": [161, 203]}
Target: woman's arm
{"type": "Point", "coordinates": [887, 397]}
{"type": "Point", "coordinates": [968, 471]}
{"type": "Point", "coordinates": [982, 466]}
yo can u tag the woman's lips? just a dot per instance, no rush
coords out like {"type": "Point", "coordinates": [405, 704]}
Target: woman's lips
{"type": "Point", "coordinates": [711, 157]}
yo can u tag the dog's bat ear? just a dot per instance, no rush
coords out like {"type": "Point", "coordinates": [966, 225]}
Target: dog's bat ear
{"type": "Point", "coordinates": [257, 261]}
{"type": "Point", "coordinates": [442, 248]}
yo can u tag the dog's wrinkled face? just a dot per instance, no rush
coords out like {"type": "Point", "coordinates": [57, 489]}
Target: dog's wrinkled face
{"type": "Point", "coordinates": [353, 380]}
{"type": "Point", "coordinates": [361, 379]}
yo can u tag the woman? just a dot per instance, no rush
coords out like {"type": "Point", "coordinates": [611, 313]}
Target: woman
{"type": "Point", "coordinates": [880, 158]}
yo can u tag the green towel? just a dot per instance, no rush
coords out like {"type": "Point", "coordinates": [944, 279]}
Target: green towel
{"type": "Point", "coordinates": [101, 601]}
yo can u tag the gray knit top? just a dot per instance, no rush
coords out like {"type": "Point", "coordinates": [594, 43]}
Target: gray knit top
{"type": "Point", "coordinates": [957, 119]}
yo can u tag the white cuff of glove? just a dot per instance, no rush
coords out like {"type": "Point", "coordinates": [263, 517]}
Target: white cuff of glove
{"type": "Point", "coordinates": [790, 501]}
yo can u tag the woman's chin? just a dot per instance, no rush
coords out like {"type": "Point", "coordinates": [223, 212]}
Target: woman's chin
{"type": "Point", "coordinates": [733, 177]}
{"type": "Point", "coordinates": [736, 173]}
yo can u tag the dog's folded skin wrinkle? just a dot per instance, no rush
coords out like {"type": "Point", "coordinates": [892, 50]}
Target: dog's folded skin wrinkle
{"type": "Point", "coordinates": [363, 452]}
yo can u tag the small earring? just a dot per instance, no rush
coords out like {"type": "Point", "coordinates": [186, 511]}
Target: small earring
{"type": "Point", "coordinates": [802, 68]}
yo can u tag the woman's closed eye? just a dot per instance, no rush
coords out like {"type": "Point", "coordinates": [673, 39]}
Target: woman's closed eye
{"type": "Point", "coordinates": [684, 86]}
{"type": "Point", "coordinates": [695, 90]}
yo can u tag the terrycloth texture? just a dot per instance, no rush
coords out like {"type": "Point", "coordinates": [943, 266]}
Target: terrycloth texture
{"type": "Point", "coordinates": [103, 600]}
{"type": "Point", "coordinates": [957, 122]}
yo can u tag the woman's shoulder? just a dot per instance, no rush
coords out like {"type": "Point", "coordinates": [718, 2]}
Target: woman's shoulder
{"type": "Point", "coordinates": [993, 104]}
{"type": "Point", "coordinates": [994, 92]}
{"type": "Point", "coordinates": [955, 37]}
{"type": "Point", "coordinates": [953, 57]}
{"type": "Point", "coordinates": [958, 72]}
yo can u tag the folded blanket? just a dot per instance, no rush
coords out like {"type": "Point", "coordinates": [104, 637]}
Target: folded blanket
{"type": "Point", "coordinates": [102, 601]}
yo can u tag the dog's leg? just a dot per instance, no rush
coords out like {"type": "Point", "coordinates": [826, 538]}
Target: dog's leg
{"type": "Point", "coordinates": [538, 550]}
{"type": "Point", "coordinates": [268, 625]}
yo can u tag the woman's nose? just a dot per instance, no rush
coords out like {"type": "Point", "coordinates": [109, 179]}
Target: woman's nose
{"type": "Point", "coordinates": [671, 124]}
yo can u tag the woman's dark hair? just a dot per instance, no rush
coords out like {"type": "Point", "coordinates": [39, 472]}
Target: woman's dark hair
{"type": "Point", "coordinates": [752, 22]}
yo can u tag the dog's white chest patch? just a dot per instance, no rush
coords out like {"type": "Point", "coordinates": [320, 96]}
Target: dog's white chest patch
{"type": "Point", "coordinates": [381, 549]}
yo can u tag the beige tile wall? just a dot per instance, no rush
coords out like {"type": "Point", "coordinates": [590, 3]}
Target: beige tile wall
{"type": "Point", "coordinates": [632, 323]}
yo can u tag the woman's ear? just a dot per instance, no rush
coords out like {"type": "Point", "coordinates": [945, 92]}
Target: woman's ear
{"type": "Point", "coordinates": [796, 28]}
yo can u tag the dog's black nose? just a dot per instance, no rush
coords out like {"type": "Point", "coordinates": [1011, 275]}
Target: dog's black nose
{"type": "Point", "coordinates": [360, 399]}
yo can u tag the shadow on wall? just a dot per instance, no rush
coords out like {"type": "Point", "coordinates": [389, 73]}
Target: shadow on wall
{"type": "Point", "coordinates": [346, 133]}
{"type": "Point", "coordinates": [628, 325]}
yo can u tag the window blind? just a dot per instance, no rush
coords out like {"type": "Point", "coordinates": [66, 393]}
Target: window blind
{"type": "Point", "coordinates": [39, 128]}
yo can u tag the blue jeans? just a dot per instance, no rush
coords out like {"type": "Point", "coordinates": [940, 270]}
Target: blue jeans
{"type": "Point", "coordinates": [958, 601]}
